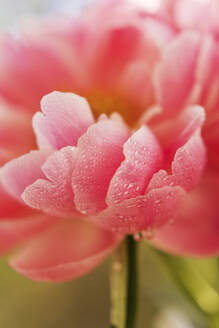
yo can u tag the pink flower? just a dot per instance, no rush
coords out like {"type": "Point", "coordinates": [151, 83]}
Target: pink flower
{"type": "Point", "coordinates": [152, 166]}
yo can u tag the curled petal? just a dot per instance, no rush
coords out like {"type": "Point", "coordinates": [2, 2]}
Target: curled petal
{"type": "Point", "coordinates": [65, 118]}
{"type": "Point", "coordinates": [69, 249]}
{"type": "Point", "coordinates": [141, 213]}
{"type": "Point", "coordinates": [143, 157]}
{"type": "Point", "coordinates": [98, 155]}
{"type": "Point", "coordinates": [55, 195]}
{"type": "Point", "coordinates": [173, 133]}
{"type": "Point", "coordinates": [183, 148]}
{"type": "Point", "coordinates": [17, 174]}
{"type": "Point", "coordinates": [187, 167]}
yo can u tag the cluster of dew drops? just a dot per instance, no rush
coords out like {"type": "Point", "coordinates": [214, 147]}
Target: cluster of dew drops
{"type": "Point", "coordinates": [147, 234]}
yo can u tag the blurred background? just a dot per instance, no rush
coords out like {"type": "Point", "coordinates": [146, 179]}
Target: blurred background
{"type": "Point", "coordinates": [174, 292]}
{"type": "Point", "coordinates": [11, 11]}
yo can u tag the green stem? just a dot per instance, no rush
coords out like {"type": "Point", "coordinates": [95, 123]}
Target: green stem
{"type": "Point", "coordinates": [124, 285]}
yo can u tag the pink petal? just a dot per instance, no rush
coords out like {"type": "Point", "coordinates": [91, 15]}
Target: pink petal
{"type": "Point", "coordinates": [211, 138]}
{"type": "Point", "coordinates": [187, 167]}
{"type": "Point", "coordinates": [13, 232]}
{"type": "Point", "coordinates": [203, 86]}
{"type": "Point", "coordinates": [68, 250]}
{"type": "Point", "coordinates": [55, 195]}
{"type": "Point", "coordinates": [143, 157]}
{"type": "Point", "coordinates": [17, 174]}
{"type": "Point", "coordinates": [22, 63]}
{"type": "Point", "coordinates": [136, 86]}
{"type": "Point", "coordinates": [189, 14]}
{"type": "Point", "coordinates": [9, 207]}
{"type": "Point", "coordinates": [195, 229]}
{"type": "Point", "coordinates": [15, 133]}
{"type": "Point", "coordinates": [99, 154]}
{"type": "Point", "coordinates": [118, 47]}
{"type": "Point", "coordinates": [207, 73]}
{"type": "Point", "coordinates": [65, 118]}
{"type": "Point", "coordinates": [175, 132]}
{"type": "Point", "coordinates": [136, 81]}
{"type": "Point", "coordinates": [184, 149]}
{"type": "Point", "coordinates": [174, 82]}
{"type": "Point", "coordinates": [141, 213]}
{"type": "Point", "coordinates": [166, 11]}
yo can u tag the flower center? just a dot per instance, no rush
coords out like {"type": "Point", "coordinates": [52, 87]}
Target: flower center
{"type": "Point", "coordinates": [102, 102]}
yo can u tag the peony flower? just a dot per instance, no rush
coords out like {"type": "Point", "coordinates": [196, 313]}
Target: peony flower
{"type": "Point", "coordinates": [81, 177]}
{"type": "Point", "coordinates": [127, 145]}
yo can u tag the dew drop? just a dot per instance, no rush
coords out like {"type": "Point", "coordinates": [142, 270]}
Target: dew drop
{"type": "Point", "coordinates": [138, 236]}
{"type": "Point", "coordinates": [149, 233]}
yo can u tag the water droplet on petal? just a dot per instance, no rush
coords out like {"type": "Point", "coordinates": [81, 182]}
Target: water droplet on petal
{"type": "Point", "coordinates": [138, 236]}
{"type": "Point", "coordinates": [149, 233]}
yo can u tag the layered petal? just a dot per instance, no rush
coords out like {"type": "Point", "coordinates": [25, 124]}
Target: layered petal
{"type": "Point", "coordinates": [175, 132]}
{"type": "Point", "coordinates": [17, 174]}
{"type": "Point", "coordinates": [66, 251]}
{"type": "Point", "coordinates": [54, 195]}
{"type": "Point", "coordinates": [64, 118]}
{"type": "Point", "coordinates": [187, 167]}
{"type": "Point", "coordinates": [143, 157]}
{"type": "Point", "coordinates": [98, 155]}
{"type": "Point", "coordinates": [143, 212]}
{"type": "Point", "coordinates": [184, 150]}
